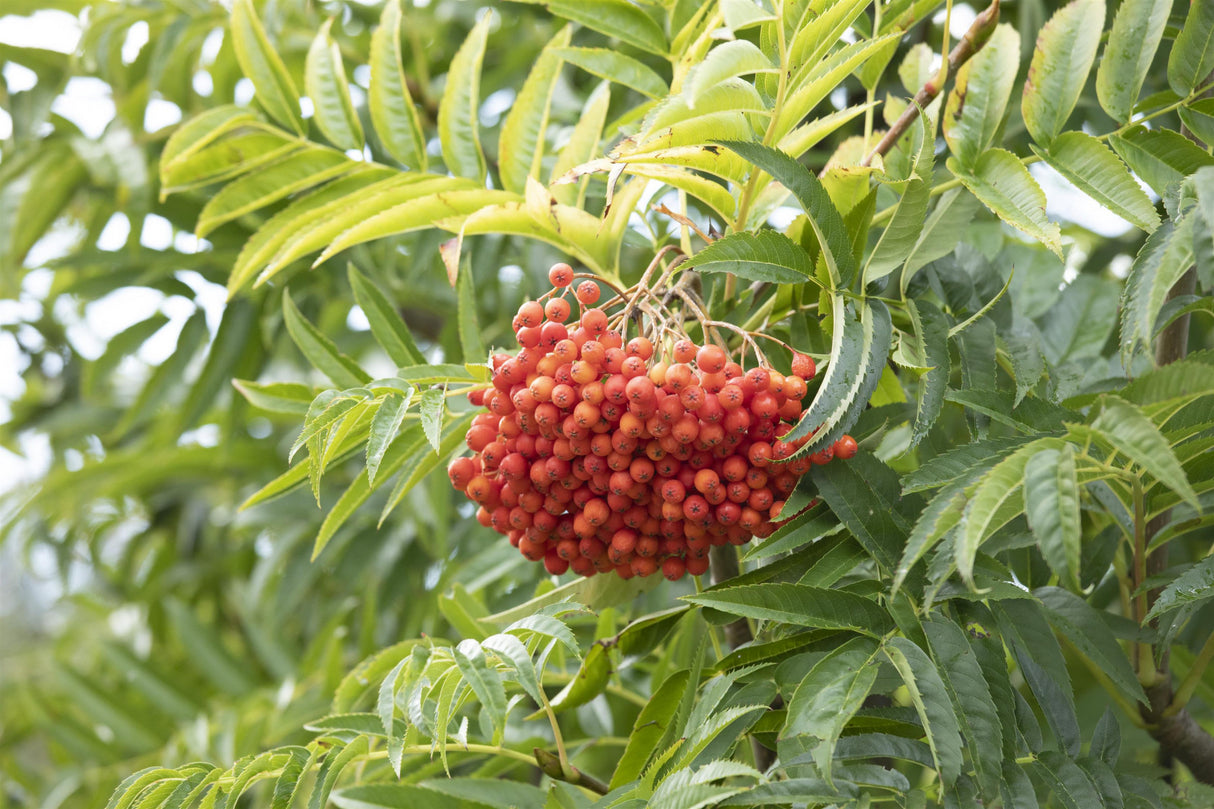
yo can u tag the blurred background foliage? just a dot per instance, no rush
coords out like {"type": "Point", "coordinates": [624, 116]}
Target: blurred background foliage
{"type": "Point", "coordinates": [145, 618]}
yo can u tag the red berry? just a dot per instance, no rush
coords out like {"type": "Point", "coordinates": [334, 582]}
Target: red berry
{"type": "Point", "coordinates": [804, 366]}
{"type": "Point", "coordinates": [588, 292]}
{"type": "Point", "coordinates": [845, 447]}
{"type": "Point", "coordinates": [561, 275]}
{"type": "Point", "coordinates": [557, 310]}
{"type": "Point", "coordinates": [711, 359]}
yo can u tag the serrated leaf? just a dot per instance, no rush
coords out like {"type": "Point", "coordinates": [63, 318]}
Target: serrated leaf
{"type": "Point", "coordinates": [1097, 171]}
{"type": "Point", "coordinates": [335, 763]}
{"type": "Point", "coordinates": [295, 172]}
{"type": "Point", "coordinates": [1067, 781]}
{"type": "Point", "coordinates": [319, 349]}
{"type": "Point", "coordinates": [1004, 185]}
{"type": "Point", "coordinates": [930, 698]}
{"type": "Point", "coordinates": [859, 348]}
{"type": "Point", "coordinates": [726, 61]}
{"type": "Point", "coordinates": [1051, 503]}
{"type": "Point", "coordinates": [971, 697]}
{"type": "Point", "coordinates": [1163, 259]}
{"type": "Point", "coordinates": [1065, 50]}
{"type": "Point", "coordinates": [385, 426]}
{"type": "Point", "coordinates": [865, 496]}
{"type": "Point", "coordinates": [931, 345]}
{"type": "Point", "coordinates": [945, 226]}
{"type": "Point", "coordinates": [822, 214]}
{"type": "Point", "coordinates": [764, 256]}
{"type": "Point", "coordinates": [521, 144]}
{"type": "Point", "coordinates": [1106, 738]}
{"type": "Point", "coordinates": [799, 605]}
{"type": "Point", "coordinates": [422, 462]}
{"type": "Point", "coordinates": [1192, 57]}
{"type": "Point", "coordinates": [387, 326]}
{"type": "Point", "coordinates": [617, 67]}
{"type": "Point", "coordinates": [497, 793]}
{"type": "Point", "coordinates": [272, 85]}
{"type": "Point", "coordinates": [325, 411]}
{"type": "Point", "coordinates": [486, 683]}
{"type": "Point", "coordinates": [459, 109]}
{"type": "Point", "coordinates": [615, 18]}
{"type": "Point", "coordinates": [1084, 626]}
{"type": "Point", "coordinates": [583, 144]}
{"type": "Point", "coordinates": [393, 112]}
{"type": "Point", "coordinates": [1199, 118]}
{"type": "Point", "coordinates": [1160, 157]}
{"type": "Point", "coordinates": [431, 407]}
{"type": "Point", "coordinates": [902, 232]}
{"type": "Point", "coordinates": [649, 728]}
{"type": "Point", "coordinates": [1137, 29]}
{"type": "Point", "coordinates": [993, 501]}
{"type": "Point", "coordinates": [1124, 426]}
{"type": "Point", "coordinates": [978, 101]}
{"type": "Point", "coordinates": [1195, 585]}
{"type": "Point", "coordinates": [325, 82]}
{"type": "Point", "coordinates": [588, 683]}
{"type": "Point", "coordinates": [471, 344]}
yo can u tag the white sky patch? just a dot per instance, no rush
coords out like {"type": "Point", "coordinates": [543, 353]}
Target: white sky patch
{"type": "Point", "coordinates": [203, 84]}
{"type": "Point", "coordinates": [87, 103]}
{"type": "Point", "coordinates": [115, 233]}
{"type": "Point", "coordinates": [136, 38]}
{"type": "Point", "coordinates": [19, 78]}
{"type": "Point", "coordinates": [120, 310]}
{"type": "Point", "coordinates": [495, 106]}
{"type": "Point", "coordinates": [306, 108]}
{"type": "Point", "coordinates": [6, 125]}
{"type": "Point", "coordinates": [211, 297]}
{"type": "Point", "coordinates": [160, 113]}
{"type": "Point", "coordinates": [357, 319]}
{"type": "Point", "coordinates": [157, 233]}
{"type": "Point", "coordinates": [1065, 201]}
{"type": "Point", "coordinates": [46, 29]}
{"type": "Point", "coordinates": [362, 75]}
{"type": "Point", "coordinates": [963, 17]}
{"type": "Point", "coordinates": [243, 92]}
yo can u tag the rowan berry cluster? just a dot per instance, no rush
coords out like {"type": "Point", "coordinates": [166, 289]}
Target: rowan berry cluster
{"type": "Point", "coordinates": [596, 454]}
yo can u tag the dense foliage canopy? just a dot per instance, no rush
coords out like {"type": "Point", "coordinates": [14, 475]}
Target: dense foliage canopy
{"type": "Point", "coordinates": [246, 301]}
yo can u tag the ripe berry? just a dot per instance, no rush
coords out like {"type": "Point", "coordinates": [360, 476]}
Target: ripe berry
{"type": "Point", "coordinates": [845, 447]}
{"type": "Point", "coordinates": [711, 359]}
{"type": "Point", "coordinates": [561, 275]}
{"type": "Point", "coordinates": [531, 313]}
{"type": "Point", "coordinates": [557, 310]}
{"type": "Point", "coordinates": [803, 366]}
{"type": "Point", "coordinates": [588, 293]}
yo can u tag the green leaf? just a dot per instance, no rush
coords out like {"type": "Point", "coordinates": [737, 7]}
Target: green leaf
{"type": "Point", "coordinates": [864, 494]}
{"type": "Point", "coordinates": [521, 145]}
{"type": "Point", "coordinates": [471, 344]}
{"type": "Point", "coordinates": [1106, 738]}
{"type": "Point", "coordinates": [1199, 118]}
{"type": "Point", "coordinates": [931, 345]}
{"type": "Point", "coordinates": [390, 796]}
{"type": "Point", "coordinates": [615, 18]}
{"type": "Point", "coordinates": [325, 82]}
{"type": "Point", "coordinates": [829, 696]}
{"type": "Point", "coordinates": [419, 464]}
{"type": "Point", "coordinates": [978, 101]}
{"type": "Point", "coordinates": [272, 85]}
{"type": "Point", "coordinates": [1078, 325]}
{"type": "Point", "coordinates": [207, 652]}
{"type": "Point", "coordinates": [1004, 185]}
{"type": "Point", "coordinates": [459, 109]}
{"type": "Point", "coordinates": [971, 698]}
{"type": "Point", "coordinates": [931, 700]}
{"type": "Point", "coordinates": [902, 232]}
{"type": "Point", "coordinates": [335, 763]}
{"type": "Point", "coordinates": [486, 683]}
{"type": "Point", "coordinates": [795, 791]}
{"type": "Point", "coordinates": [1051, 502]}
{"type": "Point", "coordinates": [325, 411]}
{"type": "Point", "coordinates": [1096, 171]}
{"type": "Point", "coordinates": [1163, 259]}
{"type": "Point", "coordinates": [588, 683]}
{"type": "Point", "coordinates": [166, 380]}
{"type": "Point", "coordinates": [993, 501]}
{"type": "Point", "coordinates": [493, 792]}
{"type": "Point", "coordinates": [948, 223]}
{"type": "Point", "coordinates": [432, 406]}
{"type": "Point", "coordinates": [799, 605]}
{"type": "Point", "coordinates": [387, 325]}
{"type": "Point", "coordinates": [319, 349]}
{"type": "Point", "coordinates": [822, 214]}
{"type": "Point", "coordinates": [1084, 626]}
{"type": "Point", "coordinates": [393, 112]}
{"type": "Point", "coordinates": [1160, 157]}
{"type": "Point", "coordinates": [229, 351]}
{"type": "Point", "coordinates": [649, 728]}
{"type": "Point", "coordinates": [1195, 585]}
{"type": "Point", "coordinates": [959, 463]}
{"type": "Point", "coordinates": [1126, 429]}
{"type": "Point", "coordinates": [767, 255]}
{"type": "Point", "coordinates": [858, 354]}
{"type": "Point", "coordinates": [1134, 38]}
{"type": "Point", "coordinates": [1192, 57]}
{"type": "Point", "coordinates": [617, 67]}
{"type": "Point", "coordinates": [727, 60]}
{"type": "Point", "coordinates": [296, 172]}
{"type": "Point", "coordinates": [583, 144]}
{"type": "Point", "coordinates": [1067, 781]}
{"type": "Point", "coordinates": [1065, 50]}
{"type": "Point", "coordinates": [385, 426]}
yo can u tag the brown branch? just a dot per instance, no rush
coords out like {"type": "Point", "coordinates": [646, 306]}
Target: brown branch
{"type": "Point", "coordinates": [977, 35]}
{"type": "Point", "coordinates": [550, 764]}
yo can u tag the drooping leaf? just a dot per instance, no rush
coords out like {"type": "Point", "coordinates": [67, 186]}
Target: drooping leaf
{"type": "Point", "coordinates": [1097, 171]}
{"type": "Point", "coordinates": [1160, 157]}
{"type": "Point", "coordinates": [617, 67]}
{"type": "Point", "coordinates": [325, 82]}
{"type": "Point", "coordinates": [485, 681]}
{"type": "Point", "coordinates": [521, 144]}
{"type": "Point", "coordinates": [799, 605]}
{"type": "Point", "coordinates": [764, 256]}
{"type": "Point", "coordinates": [387, 326]}
{"type": "Point", "coordinates": [1194, 586]}
{"type": "Point", "coordinates": [945, 226]}
{"type": "Point", "coordinates": [931, 343]}
{"type": "Point", "coordinates": [1004, 185]}
{"type": "Point", "coordinates": [320, 350]}
{"type": "Point", "coordinates": [385, 426]}
{"type": "Point", "coordinates": [272, 85]}
{"type": "Point", "coordinates": [1051, 502]}
{"type": "Point", "coordinates": [1084, 626]}
{"type": "Point", "coordinates": [393, 112]}
{"type": "Point", "coordinates": [1134, 38]}
{"type": "Point", "coordinates": [1192, 57]}
{"type": "Point", "coordinates": [900, 235]}
{"type": "Point", "coordinates": [1067, 781]}
{"type": "Point", "coordinates": [931, 700]}
{"type": "Point", "coordinates": [588, 683]}
{"type": "Point", "coordinates": [1065, 50]}
{"type": "Point", "coordinates": [649, 728]}
{"type": "Point", "coordinates": [978, 101]}
{"type": "Point", "coordinates": [738, 57]}
{"type": "Point", "coordinates": [459, 110]}
{"type": "Point", "coordinates": [829, 696]}
{"type": "Point", "coordinates": [1123, 426]}
{"type": "Point", "coordinates": [432, 406]}
{"type": "Point", "coordinates": [1163, 259]}
{"type": "Point", "coordinates": [865, 496]}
